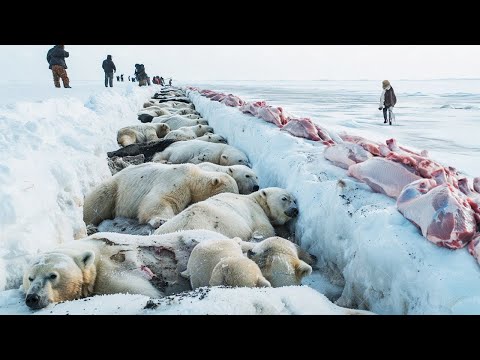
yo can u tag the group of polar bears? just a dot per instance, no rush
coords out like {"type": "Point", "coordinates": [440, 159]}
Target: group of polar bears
{"type": "Point", "coordinates": [205, 203]}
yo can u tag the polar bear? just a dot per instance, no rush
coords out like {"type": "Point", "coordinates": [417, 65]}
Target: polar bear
{"type": "Point", "coordinates": [153, 193]}
{"type": "Point", "coordinates": [245, 177]}
{"type": "Point", "coordinates": [177, 121]}
{"type": "Point", "coordinates": [244, 216]}
{"type": "Point", "coordinates": [188, 132]}
{"type": "Point", "coordinates": [169, 105]}
{"type": "Point", "coordinates": [157, 110]}
{"type": "Point", "coordinates": [282, 262]}
{"type": "Point", "coordinates": [107, 263]}
{"type": "Point", "coordinates": [141, 133]}
{"type": "Point", "coordinates": [221, 262]}
{"type": "Point", "coordinates": [184, 111]}
{"type": "Point", "coordinates": [196, 152]}
{"type": "Point", "coordinates": [214, 138]}
{"type": "Point", "coordinates": [146, 115]}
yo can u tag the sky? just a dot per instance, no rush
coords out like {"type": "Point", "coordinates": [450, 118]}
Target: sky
{"type": "Point", "coordinates": [27, 63]}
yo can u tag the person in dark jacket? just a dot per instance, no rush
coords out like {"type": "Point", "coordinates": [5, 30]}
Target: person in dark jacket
{"type": "Point", "coordinates": [162, 81]}
{"type": "Point", "coordinates": [128, 77]}
{"type": "Point", "coordinates": [170, 82]}
{"type": "Point", "coordinates": [56, 62]}
{"type": "Point", "coordinates": [121, 78]}
{"type": "Point", "coordinates": [141, 75]}
{"type": "Point", "coordinates": [387, 101]}
{"type": "Point", "coordinates": [109, 67]}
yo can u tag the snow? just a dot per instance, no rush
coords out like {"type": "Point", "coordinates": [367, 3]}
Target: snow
{"type": "Point", "coordinates": [52, 152]}
{"type": "Point", "coordinates": [363, 243]}
{"type": "Point", "coordinates": [294, 300]}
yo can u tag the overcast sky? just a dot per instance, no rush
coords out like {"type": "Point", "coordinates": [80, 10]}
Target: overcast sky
{"type": "Point", "coordinates": [252, 62]}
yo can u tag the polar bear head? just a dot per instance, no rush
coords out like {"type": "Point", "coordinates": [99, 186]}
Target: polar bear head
{"type": "Point", "coordinates": [214, 138]}
{"type": "Point", "coordinates": [279, 261]}
{"type": "Point", "coordinates": [202, 129]}
{"type": "Point", "coordinates": [233, 156]}
{"type": "Point", "coordinates": [56, 276]}
{"type": "Point", "coordinates": [245, 177]}
{"type": "Point", "coordinates": [279, 205]}
{"type": "Point", "coordinates": [238, 272]}
{"type": "Point", "coordinates": [210, 183]}
{"type": "Point", "coordinates": [162, 130]}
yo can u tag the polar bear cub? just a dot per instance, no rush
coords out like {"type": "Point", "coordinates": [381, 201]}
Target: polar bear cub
{"type": "Point", "coordinates": [281, 261]}
{"type": "Point", "coordinates": [221, 262]}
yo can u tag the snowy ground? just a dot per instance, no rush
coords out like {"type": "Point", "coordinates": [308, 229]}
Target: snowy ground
{"type": "Point", "coordinates": [290, 300]}
{"type": "Point", "coordinates": [52, 151]}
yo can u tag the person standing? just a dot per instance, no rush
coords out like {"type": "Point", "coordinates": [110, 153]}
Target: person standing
{"type": "Point", "coordinates": [162, 81]}
{"type": "Point", "coordinates": [387, 101]}
{"type": "Point", "coordinates": [56, 62]}
{"type": "Point", "coordinates": [121, 77]}
{"type": "Point", "coordinates": [109, 67]}
{"type": "Point", "coordinates": [141, 75]}
{"type": "Point", "coordinates": [170, 82]}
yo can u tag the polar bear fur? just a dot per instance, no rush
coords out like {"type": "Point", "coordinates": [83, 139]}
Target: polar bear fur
{"type": "Point", "coordinates": [177, 121]}
{"type": "Point", "coordinates": [243, 216]}
{"type": "Point", "coordinates": [196, 152]}
{"type": "Point", "coordinates": [214, 138]}
{"type": "Point", "coordinates": [141, 133]}
{"type": "Point", "coordinates": [281, 261]}
{"type": "Point", "coordinates": [107, 263]}
{"type": "Point", "coordinates": [184, 111]}
{"type": "Point", "coordinates": [169, 105]}
{"type": "Point", "coordinates": [221, 262]}
{"type": "Point", "coordinates": [188, 132]}
{"type": "Point", "coordinates": [245, 177]}
{"type": "Point", "coordinates": [153, 193]}
{"type": "Point", "coordinates": [154, 111]}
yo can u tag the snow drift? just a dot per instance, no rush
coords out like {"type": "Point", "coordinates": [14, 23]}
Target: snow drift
{"type": "Point", "coordinates": [52, 153]}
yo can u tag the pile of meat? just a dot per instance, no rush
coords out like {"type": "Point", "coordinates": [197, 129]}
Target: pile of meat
{"type": "Point", "coordinates": [434, 197]}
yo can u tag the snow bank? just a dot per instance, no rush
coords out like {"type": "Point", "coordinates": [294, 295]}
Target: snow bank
{"type": "Point", "coordinates": [294, 300]}
{"type": "Point", "coordinates": [363, 243]}
{"type": "Point", "coordinates": [52, 153]}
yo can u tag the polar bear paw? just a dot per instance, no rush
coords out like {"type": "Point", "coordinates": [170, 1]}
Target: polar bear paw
{"type": "Point", "coordinates": [157, 222]}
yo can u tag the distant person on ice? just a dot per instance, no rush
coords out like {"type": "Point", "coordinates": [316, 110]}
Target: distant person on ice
{"type": "Point", "coordinates": [162, 81]}
{"type": "Point", "coordinates": [121, 78]}
{"type": "Point", "coordinates": [141, 75]}
{"type": "Point", "coordinates": [387, 101]}
{"type": "Point", "coordinates": [118, 77]}
{"type": "Point", "coordinates": [109, 67]}
{"type": "Point", "coordinates": [170, 82]}
{"type": "Point", "coordinates": [128, 77]}
{"type": "Point", "coordinates": [56, 62]}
